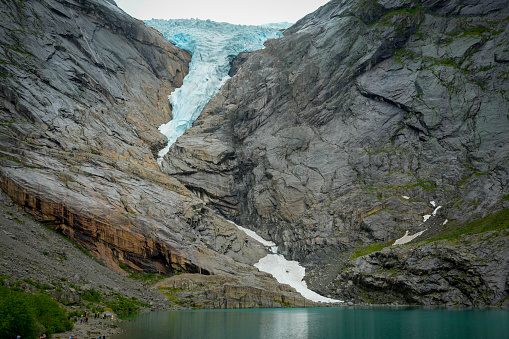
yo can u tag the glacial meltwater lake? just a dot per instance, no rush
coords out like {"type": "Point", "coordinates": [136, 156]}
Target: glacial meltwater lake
{"type": "Point", "coordinates": [321, 323]}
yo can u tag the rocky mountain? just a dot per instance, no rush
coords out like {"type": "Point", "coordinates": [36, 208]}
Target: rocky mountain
{"type": "Point", "coordinates": [366, 117]}
{"type": "Point", "coordinates": [333, 141]}
{"type": "Point", "coordinates": [83, 89]}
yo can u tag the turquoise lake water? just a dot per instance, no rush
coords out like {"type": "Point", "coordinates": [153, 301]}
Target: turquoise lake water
{"type": "Point", "coordinates": [377, 322]}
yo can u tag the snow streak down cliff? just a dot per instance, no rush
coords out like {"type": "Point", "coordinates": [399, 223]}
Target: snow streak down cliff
{"type": "Point", "coordinates": [213, 45]}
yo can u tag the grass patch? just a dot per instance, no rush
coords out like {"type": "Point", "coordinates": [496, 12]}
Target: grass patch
{"type": "Point", "coordinates": [92, 295]}
{"type": "Point", "coordinates": [369, 249]}
{"type": "Point", "coordinates": [37, 285]}
{"type": "Point", "coordinates": [169, 292]}
{"type": "Point", "coordinates": [121, 304]}
{"type": "Point", "coordinates": [150, 278]}
{"type": "Point", "coordinates": [284, 303]}
{"type": "Point", "coordinates": [492, 222]}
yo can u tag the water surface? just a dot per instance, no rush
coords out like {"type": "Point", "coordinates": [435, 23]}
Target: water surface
{"type": "Point", "coordinates": [341, 322]}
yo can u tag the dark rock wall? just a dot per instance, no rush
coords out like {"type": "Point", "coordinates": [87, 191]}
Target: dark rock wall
{"type": "Point", "coordinates": [317, 137]}
{"type": "Point", "coordinates": [83, 88]}
{"type": "Point", "coordinates": [470, 271]}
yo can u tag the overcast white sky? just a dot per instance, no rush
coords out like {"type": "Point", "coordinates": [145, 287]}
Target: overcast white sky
{"type": "Point", "coordinates": [252, 12]}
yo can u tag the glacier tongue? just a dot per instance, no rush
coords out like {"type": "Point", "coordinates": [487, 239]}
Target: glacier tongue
{"type": "Point", "coordinates": [212, 46]}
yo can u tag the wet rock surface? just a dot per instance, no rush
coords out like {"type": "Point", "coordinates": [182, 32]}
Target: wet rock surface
{"type": "Point", "coordinates": [316, 139]}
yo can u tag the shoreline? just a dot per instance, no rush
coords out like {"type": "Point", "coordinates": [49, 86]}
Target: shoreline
{"type": "Point", "coordinates": [92, 329]}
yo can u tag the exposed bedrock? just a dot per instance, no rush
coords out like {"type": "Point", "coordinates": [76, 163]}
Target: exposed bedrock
{"type": "Point", "coordinates": [335, 136]}
{"type": "Point", "coordinates": [226, 291]}
{"type": "Point", "coordinates": [470, 271]}
{"type": "Point", "coordinates": [83, 88]}
{"type": "Point", "coordinates": [317, 138]}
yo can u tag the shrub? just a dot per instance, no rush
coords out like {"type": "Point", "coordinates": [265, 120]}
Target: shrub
{"type": "Point", "coordinates": [23, 314]}
{"type": "Point", "coordinates": [16, 315]}
{"type": "Point", "coordinates": [92, 296]}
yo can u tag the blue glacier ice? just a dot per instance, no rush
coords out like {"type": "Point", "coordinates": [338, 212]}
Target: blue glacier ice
{"type": "Point", "coordinates": [212, 46]}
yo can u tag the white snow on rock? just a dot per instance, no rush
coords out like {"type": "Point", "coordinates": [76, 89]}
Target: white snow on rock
{"type": "Point", "coordinates": [255, 236]}
{"type": "Point", "coordinates": [405, 197]}
{"type": "Point", "coordinates": [285, 271]}
{"type": "Point", "coordinates": [407, 238]}
{"type": "Point", "coordinates": [291, 273]}
{"type": "Point", "coordinates": [445, 222]}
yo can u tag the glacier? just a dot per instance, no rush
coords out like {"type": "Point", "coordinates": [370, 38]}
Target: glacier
{"type": "Point", "coordinates": [213, 45]}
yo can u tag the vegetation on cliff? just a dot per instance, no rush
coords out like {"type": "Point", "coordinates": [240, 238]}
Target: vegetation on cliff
{"type": "Point", "coordinates": [28, 314]}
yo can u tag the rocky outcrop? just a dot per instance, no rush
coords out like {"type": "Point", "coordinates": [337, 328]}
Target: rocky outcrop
{"type": "Point", "coordinates": [470, 271]}
{"type": "Point", "coordinates": [317, 139]}
{"type": "Point", "coordinates": [227, 292]}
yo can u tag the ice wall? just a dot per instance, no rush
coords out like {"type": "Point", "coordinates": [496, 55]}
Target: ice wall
{"type": "Point", "coordinates": [213, 45]}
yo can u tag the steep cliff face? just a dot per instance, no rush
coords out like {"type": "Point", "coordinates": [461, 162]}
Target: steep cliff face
{"type": "Point", "coordinates": [318, 137]}
{"type": "Point", "coordinates": [83, 89]}
{"type": "Point", "coordinates": [342, 132]}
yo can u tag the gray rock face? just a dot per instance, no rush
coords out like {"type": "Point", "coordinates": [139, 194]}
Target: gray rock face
{"type": "Point", "coordinates": [470, 271]}
{"type": "Point", "coordinates": [317, 138]}
{"type": "Point", "coordinates": [83, 88]}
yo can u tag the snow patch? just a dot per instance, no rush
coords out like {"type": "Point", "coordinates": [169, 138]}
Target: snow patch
{"type": "Point", "coordinates": [405, 197]}
{"type": "Point", "coordinates": [407, 238]}
{"type": "Point", "coordinates": [285, 271]}
{"type": "Point", "coordinates": [432, 203]}
{"type": "Point", "coordinates": [435, 211]}
{"type": "Point", "coordinates": [445, 222]}
{"type": "Point", "coordinates": [291, 273]}
{"type": "Point", "coordinates": [426, 217]}
{"type": "Point", "coordinates": [255, 236]}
